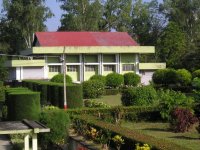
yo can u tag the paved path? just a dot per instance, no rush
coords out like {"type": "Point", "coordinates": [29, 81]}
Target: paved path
{"type": "Point", "coordinates": [5, 143]}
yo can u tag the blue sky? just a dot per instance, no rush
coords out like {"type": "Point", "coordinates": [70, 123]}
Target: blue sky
{"type": "Point", "coordinates": [54, 22]}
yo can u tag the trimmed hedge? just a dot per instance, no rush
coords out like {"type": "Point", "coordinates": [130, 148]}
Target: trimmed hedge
{"type": "Point", "coordinates": [131, 79]}
{"type": "Point", "coordinates": [59, 78]}
{"type": "Point", "coordinates": [23, 105]}
{"type": "Point", "coordinates": [184, 77]}
{"type": "Point", "coordinates": [99, 78]}
{"type": "Point", "coordinates": [114, 80]}
{"type": "Point", "coordinates": [131, 137]}
{"type": "Point", "coordinates": [52, 93]}
{"type": "Point", "coordinates": [112, 91]}
{"type": "Point", "coordinates": [196, 74]}
{"type": "Point", "coordinates": [2, 91]}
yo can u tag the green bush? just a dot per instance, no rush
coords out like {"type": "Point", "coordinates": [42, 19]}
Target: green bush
{"type": "Point", "coordinates": [196, 83]}
{"type": "Point", "coordinates": [95, 104]}
{"type": "Point", "coordinates": [159, 76]}
{"type": "Point", "coordinates": [99, 77]}
{"type": "Point", "coordinates": [93, 88]}
{"type": "Point", "coordinates": [140, 96]}
{"type": "Point", "coordinates": [184, 77]}
{"type": "Point", "coordinates": [58, 122]}
{"type": "Point", "coordinates": [131, 79]}
{"type": "Point", "coordinates": [111, 91]}
{"type": "Point", "coordinates": [23, 105]}
{"type": "Point", "coordinates": [170, 99]}
{"type": "Point", "coordinates": [59, 78]}
{"type": "Point", "coordinates": [196, 74]}
{"type": "Point", "coordinates": [114, 80]}
{"type": "Point", "coordinates": [2, 92]}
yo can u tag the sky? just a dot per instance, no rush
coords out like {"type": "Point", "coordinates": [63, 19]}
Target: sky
{"type": "Point", "coordinates": [54, 22]}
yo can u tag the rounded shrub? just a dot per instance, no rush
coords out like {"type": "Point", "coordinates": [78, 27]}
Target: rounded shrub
{"type": "Point", "coordinates": [196, 74]}
{"type": "Point", "coordinates": [58, 121]}
{"type": "Point", "coordinates": [131, 79]}
{"type": "Point", "coordinates": [159, 76]}
{"type": "Point", "coordinates": [23, 105]}
{"type": "Point", "coordinates": [139, 96]}
{"type": "Point", "coordinates": [99, 77]}
{"type": "Point", "coordinates": [93, 88]}
{"type": "Point", "coordinates": [184, 77]}
{"type": "Point", "coordinates": [59, 78]}
{"type": "Point", "coordinates": [114, 80]}
{"type": "Point", "coordinates": [196, 83]}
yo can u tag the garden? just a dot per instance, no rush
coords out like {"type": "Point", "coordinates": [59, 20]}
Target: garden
{"type": "Point", "coordinates": [113, 111]}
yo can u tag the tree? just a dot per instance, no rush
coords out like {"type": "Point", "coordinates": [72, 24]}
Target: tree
{"type": "Point", "coordinates": [81, 15]}
{"type": "Point", "coordinates": [172, 44]}
{"type": "Point", "coordinates": [22, 19]}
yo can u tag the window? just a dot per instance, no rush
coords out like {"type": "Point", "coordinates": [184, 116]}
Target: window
{"type": "Point", "coordinates": [54, 68]}
{"type": "Point", "coordinates": [71, 68]}
{"type": "Point", "coordinates": [109, 68]}
{"type": "Point", "coordinates": [90, 68]}
{"type": "Point", "coordinates": [128, 67]}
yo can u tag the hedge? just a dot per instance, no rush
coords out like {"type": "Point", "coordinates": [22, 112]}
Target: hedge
{"type": "Point", "coordinates": [23, 105]}
{"type": "Point", "coordinates": [59, 78]}
{"type": "Point", "coordinates": [131, 137]}
{"type": "Point", "coordinates": [52, 93]}
{"type": "Point", "coordinates": [2, 91]}
{"type": "Point", "coordinates": [131, 79]}
{"type": "Point", "coordinates": [114, 80]}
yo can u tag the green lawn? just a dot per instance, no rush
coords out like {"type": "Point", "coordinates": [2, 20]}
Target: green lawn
{"type": "Point", "coordinates": [111, 100]}
{"type": "Point", "coordinates": [189, 139]}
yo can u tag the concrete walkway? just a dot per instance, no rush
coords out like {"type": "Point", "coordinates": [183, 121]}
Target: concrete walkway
{"type": "Point", "coordinates": [5, 143]}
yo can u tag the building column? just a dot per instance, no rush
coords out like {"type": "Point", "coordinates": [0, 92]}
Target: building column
{"type": "Point", "coordinates": [34, 142]}
{"type": "Point", "coordinates": [100, 64]}
{"type": "Point", "coordinates": [118, 63]}
{"type": "Point", "coordinates": [137, 63]}
{"type": "Point", "coordinates": [19, 73]}
{"type": "Point", "coordinates": [26, 142]}
{"type": "Point", "coordinates": [46, 70]}
{"type": "Point", "coordinates": [80, 67]}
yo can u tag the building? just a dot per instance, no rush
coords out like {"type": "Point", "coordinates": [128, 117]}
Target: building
{"type": "Point", "coordinates": [86, 54]}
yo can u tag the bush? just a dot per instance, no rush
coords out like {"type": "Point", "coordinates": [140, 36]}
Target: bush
{"type": "Point", "coordinates": [114, 80]}
{"type": "Point", "coordinates": [182, 119]}
{"type": "Point", "coordinates": [140, 96]}
{"type": "Point", "coordinates": [93, 88]}
{"type": "Point", "coordinates": [184, 77]}
{"type": "Point", "coordinates": [131, 79]}
{"type": "Point", "coordinates": [2, 92]}
{"type": "Point", "coordinates": [58, 122]}
{"type": "Point", "coordinates": [196, 83]}
{"type": "Point", "coordinates": [94, 104]}
{"type": "Point", "coordinates": [170, 99]}
{"type": "Point", "coordinates": [159, 76]}
{"type": "Point", "coordinates": [59, 78]}
{"type": "Point", "coordinates": [23, 105]}
{"type": "Point", "coordinates": [99, 77]}
{"type": "Point", "coordinates": [111, 91]}
{"type": "Point", "coordinates": [196, 74]}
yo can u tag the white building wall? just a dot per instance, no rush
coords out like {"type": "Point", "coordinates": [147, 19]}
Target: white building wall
{"type": "Point", "coordinates": [33, 72]}
{"type": "Point", "coordinates": [146, 76]}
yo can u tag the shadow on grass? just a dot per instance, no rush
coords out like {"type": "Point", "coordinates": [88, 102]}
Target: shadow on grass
{"type": "Point", "coordinates": [157, 129]}
{"type": "Point", "coordinates": [184, 137]}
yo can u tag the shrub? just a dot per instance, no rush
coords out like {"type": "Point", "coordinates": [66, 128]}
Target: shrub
{"type": "Point", "coordinates": [58, 122]}
{"type": "Point", "coordinates": [2, 93]}
{"type": "Point", "coordinates": [114, 80]}
{"type": "Point", "coordinates": [131, 79]}
{"type": "Point", "coordinates": [23, 105]}
{"type": "Point", "coordinates": [111, 91]}
{"type": "Point", "coordinates": [159, 76]}
{"type": "Point", "coordinates": [93, 88]}
{"type": "Point", "coordinates": [184, 77]}
{"type": "Point", "coordinates": [99, 77]}
{"type": "Point", "coordinates": [59, 78]}
{"type": "Point", "coordinates": [196, 83]}
{"type": "Point", "coordinates": [170, 99]}
{"type": "Point", "coordinates": [140, 96]}
{"type": "Point", "coordinates": [94, 104]}
{"type": "Point", "coordinates": [182, 119]}
{"type": "Point", "coordinates": [196, 74]}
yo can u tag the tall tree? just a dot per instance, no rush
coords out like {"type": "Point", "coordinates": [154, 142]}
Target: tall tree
{"type": "Point", "coordinates": [172, 45]}
{"type": "Point", "coordinates": [81, 15]}
{"type": "Point", "coordinates": [23, 19]}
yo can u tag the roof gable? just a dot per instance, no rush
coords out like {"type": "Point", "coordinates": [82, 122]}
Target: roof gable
{"type": "Point", "coordinates": [84, 39]}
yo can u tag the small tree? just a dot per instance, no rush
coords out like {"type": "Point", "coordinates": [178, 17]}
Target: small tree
{"type": "Point", "coordinates": [114, 80]}
{"type": "Point", "coordinates": [131, 79]}
{"type": "Point", "coordinates": [59, 78]}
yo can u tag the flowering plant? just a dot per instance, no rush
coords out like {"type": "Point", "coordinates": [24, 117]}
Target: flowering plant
{"type": "Point", "coordinates": [118, 141]}
{"type": "Point", "coordinates": [143, 147]}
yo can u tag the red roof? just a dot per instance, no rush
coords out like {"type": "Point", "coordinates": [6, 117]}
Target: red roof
{"type": "Point", "coordinates": [84, 39]}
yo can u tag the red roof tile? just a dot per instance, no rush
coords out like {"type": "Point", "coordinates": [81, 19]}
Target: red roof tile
{"type": "Point", "coordinates": [84, 39]}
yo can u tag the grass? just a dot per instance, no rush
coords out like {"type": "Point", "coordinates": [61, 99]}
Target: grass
{"type": "Point", "coordinates": [189, 139]}
{"type": "Point", "coordinates": [111, 100]}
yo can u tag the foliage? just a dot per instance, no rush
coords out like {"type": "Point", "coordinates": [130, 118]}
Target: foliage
{"type": "Point", "coordinates": [93, 88]}
{"type": "Point", "coordinates": [170, 99]}
{"type": "Point", "coordinates": [3, 69]}
{"type": "Point", "coordinates": [94, 104]}
{"type": "Point", "coordinates": [182, 119]}
{"type": "Point", "coordinates": [23, 104]}
{"type": "Point", "coordinates": [143, 147]}
{"type": "Point", "coordinates": [131, 79]}
{"type": "Point", "coordinates": [196, 83]}
{"type": "Point", "coordinates": [184, 77]}
{"type": "Point", "coordinates": [58, 121]}
{"type": "Point", "coordinates": [99, 77]}
{"type": "Point", "coordinates": [114, 80]}
{"type": "Point", "coordinates": [118, 140]}
{"type": "Point", "coordinates": [196, 74]}
{"type": "Point", "coordinates": [111, 91]}
{"type": "Point", "coordinates": [130, 136]}
{"type": "Point", "coordinates": [140, 96]}
{"type": "Point", "coordinates": [2, 91]}
{"type": "Point", "coordinates": [59, 78]}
